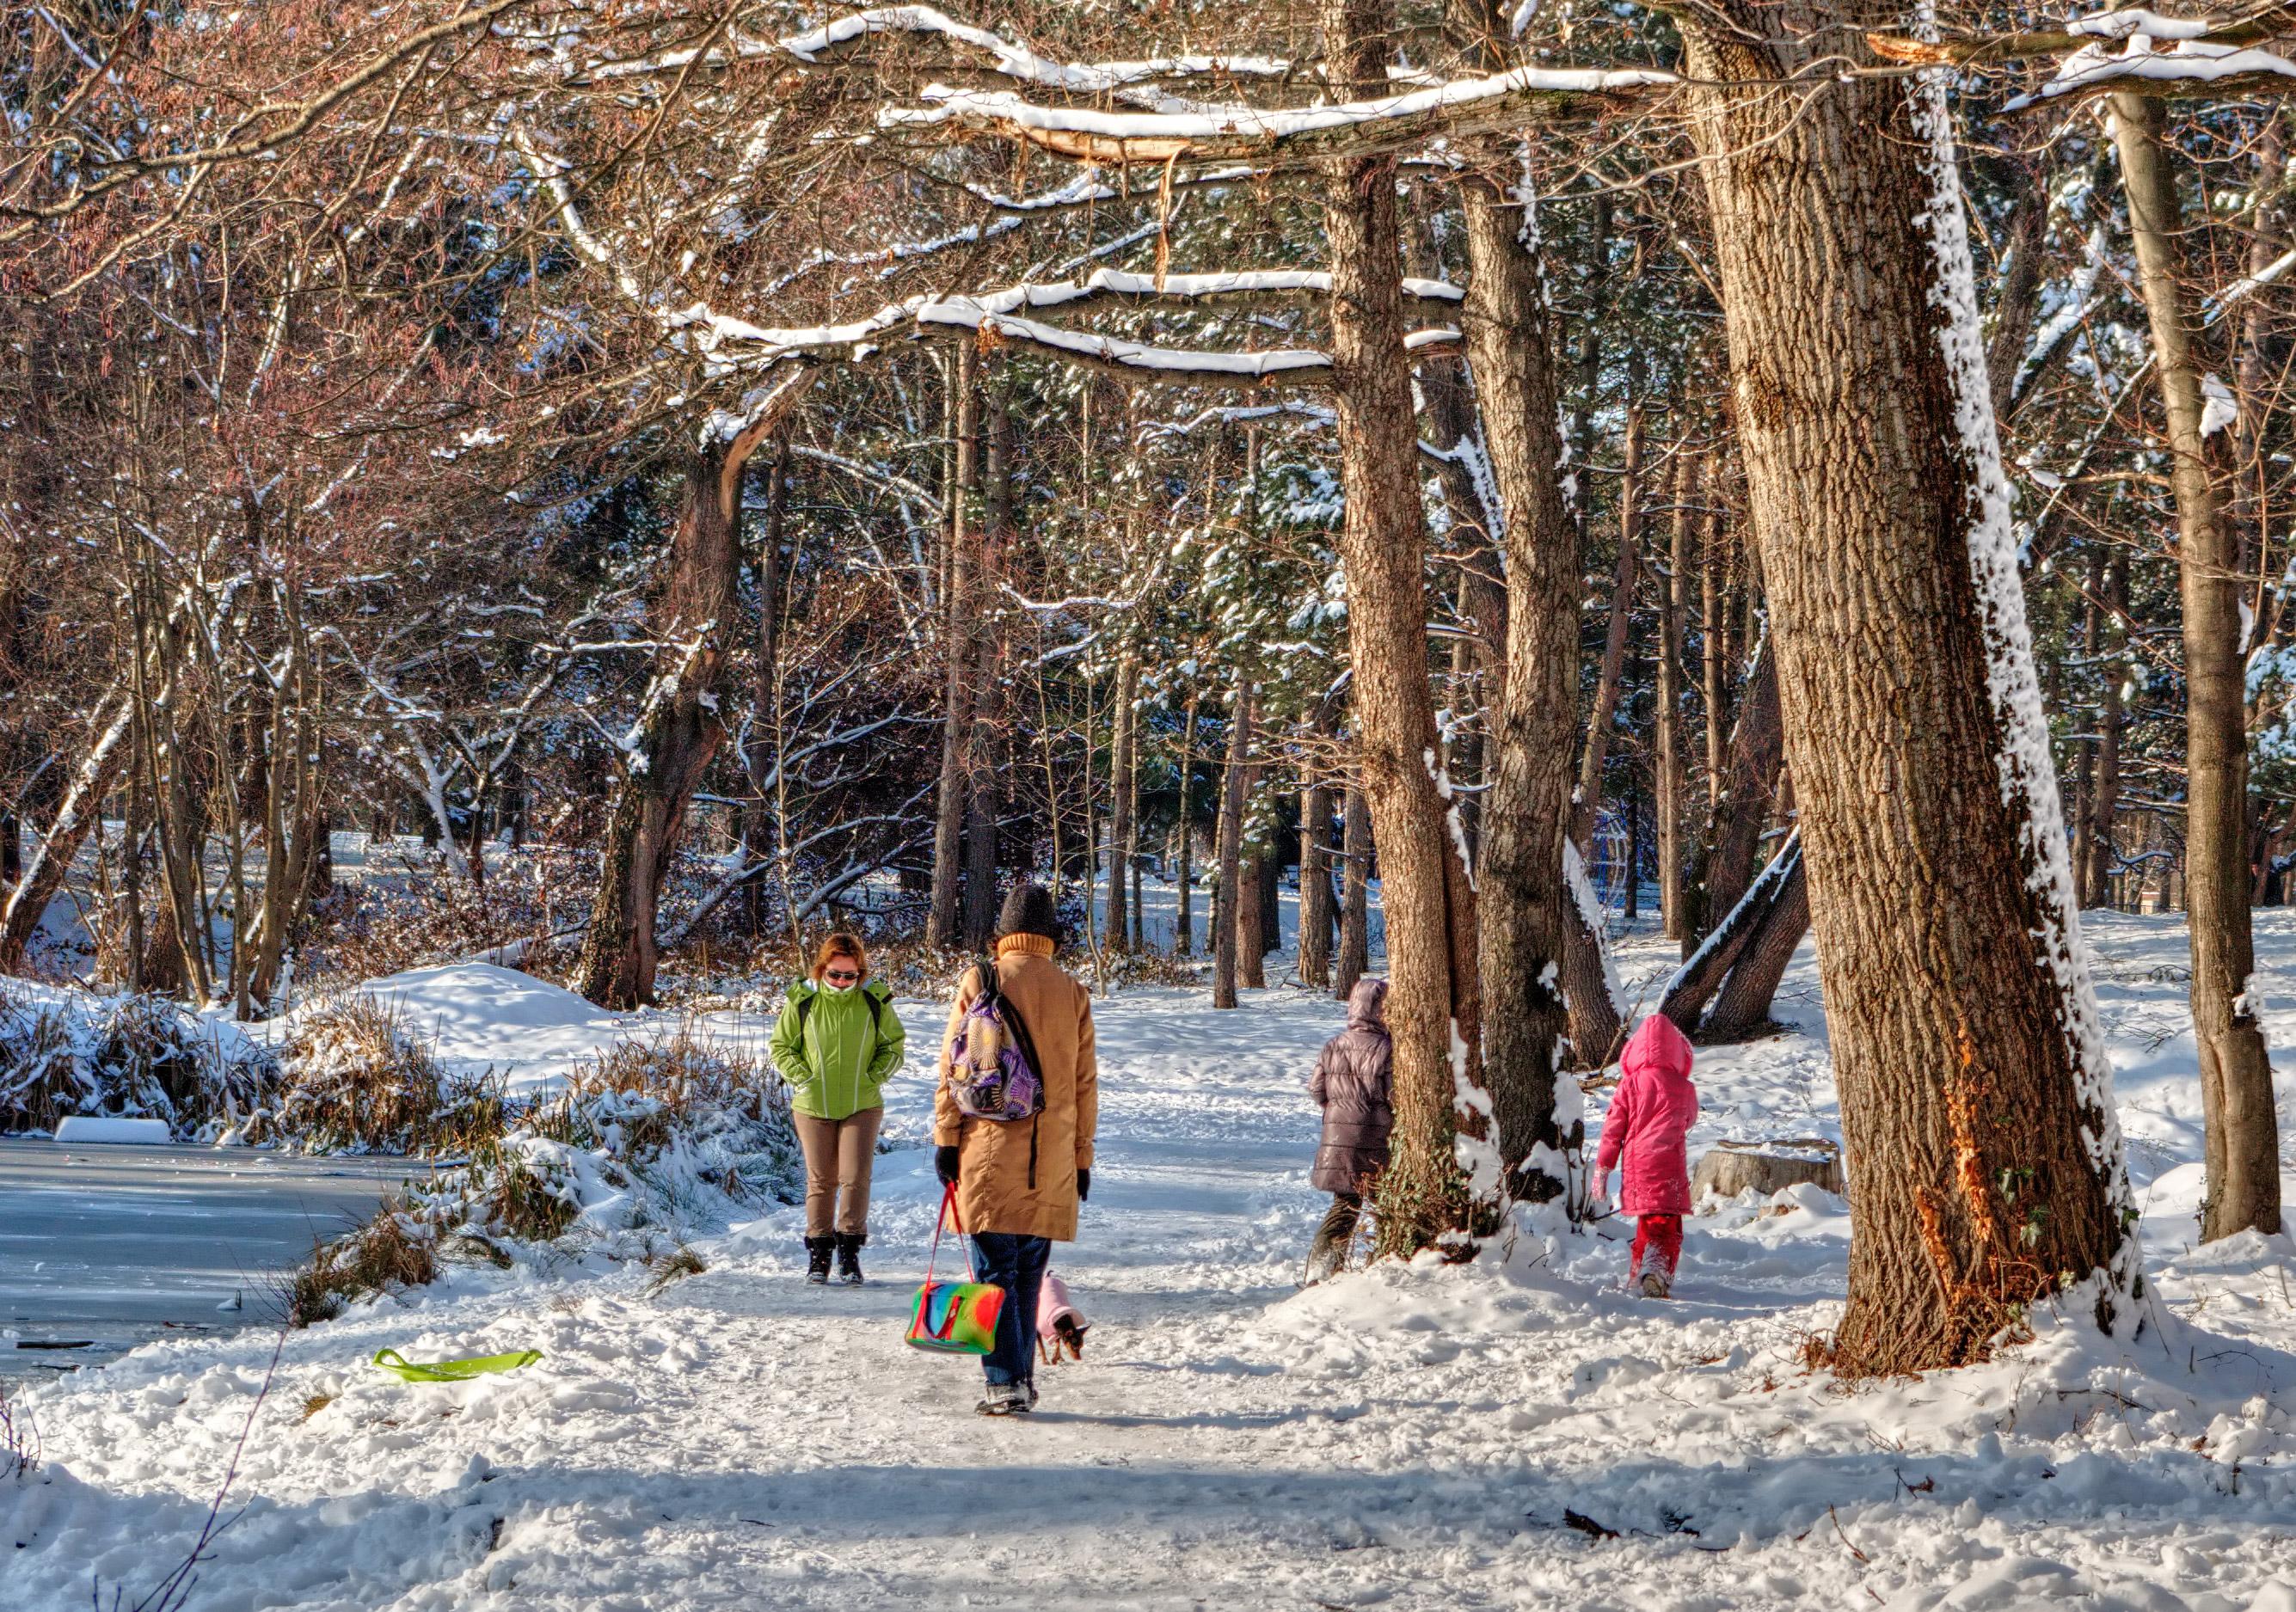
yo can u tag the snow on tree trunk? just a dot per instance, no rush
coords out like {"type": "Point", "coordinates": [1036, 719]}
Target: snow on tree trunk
{"type": "Point", "coordinates": [1524, 908]}
{"type": "Point", "coordinates": [678, 729]}
{"type": "Point", "coordinates": [1431, 922]}
{"type": "Point", "coordinates": [1984, 1154]}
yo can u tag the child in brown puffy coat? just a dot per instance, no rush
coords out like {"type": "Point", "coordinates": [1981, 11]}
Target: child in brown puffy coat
{"type": "Point", "coordinates": [1353, 1085]}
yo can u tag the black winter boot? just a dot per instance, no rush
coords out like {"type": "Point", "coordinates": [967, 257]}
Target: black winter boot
{"type": "Point", "coordinates": [818, 1250]}
{"type": "Point", "coordinates": [848, 1257]}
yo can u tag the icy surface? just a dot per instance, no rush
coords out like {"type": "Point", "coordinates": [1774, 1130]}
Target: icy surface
{"type": "Point", "coordinates": [1408, 1437]}
{"type": "Point", "coordinates": [111, 1128]}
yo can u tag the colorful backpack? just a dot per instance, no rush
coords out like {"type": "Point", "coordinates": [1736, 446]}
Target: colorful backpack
{"type": "Point", "coordinates": [992, 1065]}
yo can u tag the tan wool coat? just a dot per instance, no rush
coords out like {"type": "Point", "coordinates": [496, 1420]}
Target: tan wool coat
{"type": "Point", "coordinates": [1019, 1176]}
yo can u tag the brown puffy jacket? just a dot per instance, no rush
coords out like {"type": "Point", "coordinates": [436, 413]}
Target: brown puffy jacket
{"type": "Point", "coordinates": [1353, 1086]}
{"type": "Point", "coordinates": [1021, 1176]}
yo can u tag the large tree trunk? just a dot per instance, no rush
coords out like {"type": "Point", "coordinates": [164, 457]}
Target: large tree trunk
{"type": "Point", "coordinates": [2243, 1136]}
{"type": "Point", "coordinates": [1226, 897]}
{"type": "Point", "coordinates": [1612, 675]}
{"type": "Point", "coordinates": [1355, 894]}
{"type": "Point", "coordinates": [959, 607]}
{"type": "Point", "coordinates": [678, 729]}
{"type": "Point", "coordinates": [1432, 1008]}
{"type": "Point", "coordinates": [1976, 1098]}
{"type": "Point", "coordinates": [1524, 908]}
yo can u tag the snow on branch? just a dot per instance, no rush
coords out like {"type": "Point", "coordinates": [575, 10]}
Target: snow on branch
{"type": "Point", "coordinates": [2157, 55]}
{"type": "Point", "coordinates": [1017, 61]}
{"type": "Point", "coordinates": [731, 344]}
{"type": "Point", "coordinates": [1239, 132]}
{"type": "Point", "coordinates": [834, 43]}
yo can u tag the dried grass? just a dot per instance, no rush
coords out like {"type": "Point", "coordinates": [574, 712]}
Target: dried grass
{"type": "Point", "coordinates": [358, 1079]}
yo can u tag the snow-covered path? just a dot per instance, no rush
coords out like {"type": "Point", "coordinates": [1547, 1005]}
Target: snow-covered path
{"type": "Point", "coordinates": [1404, 1437]}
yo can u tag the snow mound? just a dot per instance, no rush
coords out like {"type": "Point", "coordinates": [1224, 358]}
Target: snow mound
{"type": "Point", "coordinates": [479, 1017]}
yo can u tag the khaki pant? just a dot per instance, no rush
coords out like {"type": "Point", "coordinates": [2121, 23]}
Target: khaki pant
{"type": "Point", "coordinates": [838, 1157]}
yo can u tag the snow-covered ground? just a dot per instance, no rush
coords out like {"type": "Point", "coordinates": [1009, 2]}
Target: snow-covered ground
{"type": "Point", "coordinates": [1402, 1438]}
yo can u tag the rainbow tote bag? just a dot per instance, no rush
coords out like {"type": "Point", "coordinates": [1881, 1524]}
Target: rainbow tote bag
{"type": "Point", "coordinates": [953, 1317]}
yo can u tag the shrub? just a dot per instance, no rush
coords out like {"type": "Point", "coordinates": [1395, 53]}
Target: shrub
{"type": "Point", "coordinates": [65, 1052]}
{"type": "Point", "coordinates": [398, 1248]}
{"type": "Point", "coordinates": [358, 1080]}
{"type": "Point", "coordinates": [661, 1132]}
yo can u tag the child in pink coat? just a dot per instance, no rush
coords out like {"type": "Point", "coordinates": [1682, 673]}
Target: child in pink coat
{"type": "Point", "coordinates": [1648, 1126]}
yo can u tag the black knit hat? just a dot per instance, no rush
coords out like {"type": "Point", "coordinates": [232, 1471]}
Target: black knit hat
{"type": "Point", "coordinates": [1028, 910]}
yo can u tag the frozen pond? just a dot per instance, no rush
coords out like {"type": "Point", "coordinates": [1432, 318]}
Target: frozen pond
{"type": "Point", "coordinates": [113, 1246]}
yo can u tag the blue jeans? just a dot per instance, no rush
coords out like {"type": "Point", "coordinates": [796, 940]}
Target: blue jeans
{"type": "Point", "coordinates": [1015, 1263]}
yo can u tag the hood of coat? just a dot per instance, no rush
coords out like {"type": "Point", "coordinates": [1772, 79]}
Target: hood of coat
{"type": "Point", "coordinates": [1367, 1004]}
{"type": "Point", "coordinates": [1657, 1048]}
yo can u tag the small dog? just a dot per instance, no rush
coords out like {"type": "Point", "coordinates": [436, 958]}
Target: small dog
{"type": "Point", "coordinates": [1061, 1326]}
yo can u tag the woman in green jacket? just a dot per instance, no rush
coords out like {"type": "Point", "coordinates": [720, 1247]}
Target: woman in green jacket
{"type": "Point", "coordinates": [837, 1042]}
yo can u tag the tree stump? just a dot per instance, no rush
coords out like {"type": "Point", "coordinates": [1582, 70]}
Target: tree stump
{"type": "Point", "coordinates": [1766, 1167]}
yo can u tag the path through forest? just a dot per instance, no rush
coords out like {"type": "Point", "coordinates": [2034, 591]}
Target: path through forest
{"type": "Point", "coordinates": [1408, 1438]}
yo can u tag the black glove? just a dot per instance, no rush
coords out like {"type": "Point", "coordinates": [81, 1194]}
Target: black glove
{"type": "Point", "coordinates": [945, 1166]}
{"type": "Point", "coordinates": [1084, 1182]}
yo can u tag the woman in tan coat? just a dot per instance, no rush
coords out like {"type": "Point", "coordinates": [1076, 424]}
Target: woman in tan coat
{"type": "Point", "coordinates": [1019, 1181]}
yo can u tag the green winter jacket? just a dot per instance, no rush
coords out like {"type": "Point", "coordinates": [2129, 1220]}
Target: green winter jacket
{"type": "Point", "coordinates": [838, 1060]}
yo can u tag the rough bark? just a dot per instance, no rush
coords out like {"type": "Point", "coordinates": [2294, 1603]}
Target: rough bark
{"type": "Point", "coordinates": [1702, 973]}
{"type": "Point", "coordinates": [2242, 1149]}
{"type": "Point", "coordinates": [1741, 1007]}
{"type": "Point", "coordinates": [1429, 907]}
{"type": "Point", "coordinates": [1670, 762]}
{"type": "Point", "coordinates": [1588, 803]}
{"type": "Point", "coordinates": [1984, 1154]}
{"type": "Point", "coordinates": [958, 610]}
{"type": "Point", "coordinates": [678, 731]}
{"type": "Point", "coordinates": [1524, 907]}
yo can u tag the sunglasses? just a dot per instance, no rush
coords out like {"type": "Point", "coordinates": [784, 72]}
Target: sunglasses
{"type": "Point", "coordinates": [847, 976]}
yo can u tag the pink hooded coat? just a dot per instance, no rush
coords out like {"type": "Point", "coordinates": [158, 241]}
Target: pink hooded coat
{"type": "Point", "coordinates": [1649, 1121]}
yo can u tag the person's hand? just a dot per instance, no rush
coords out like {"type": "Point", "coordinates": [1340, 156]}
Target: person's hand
{"type": "Point", "coordinates": [1084, 1182]}
{"type": "Point", "coordinates": [944, 1161]}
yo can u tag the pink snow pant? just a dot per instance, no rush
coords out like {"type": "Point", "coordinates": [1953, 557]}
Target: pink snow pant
{"type": "Point", "coordinates": [1659, 1239]}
